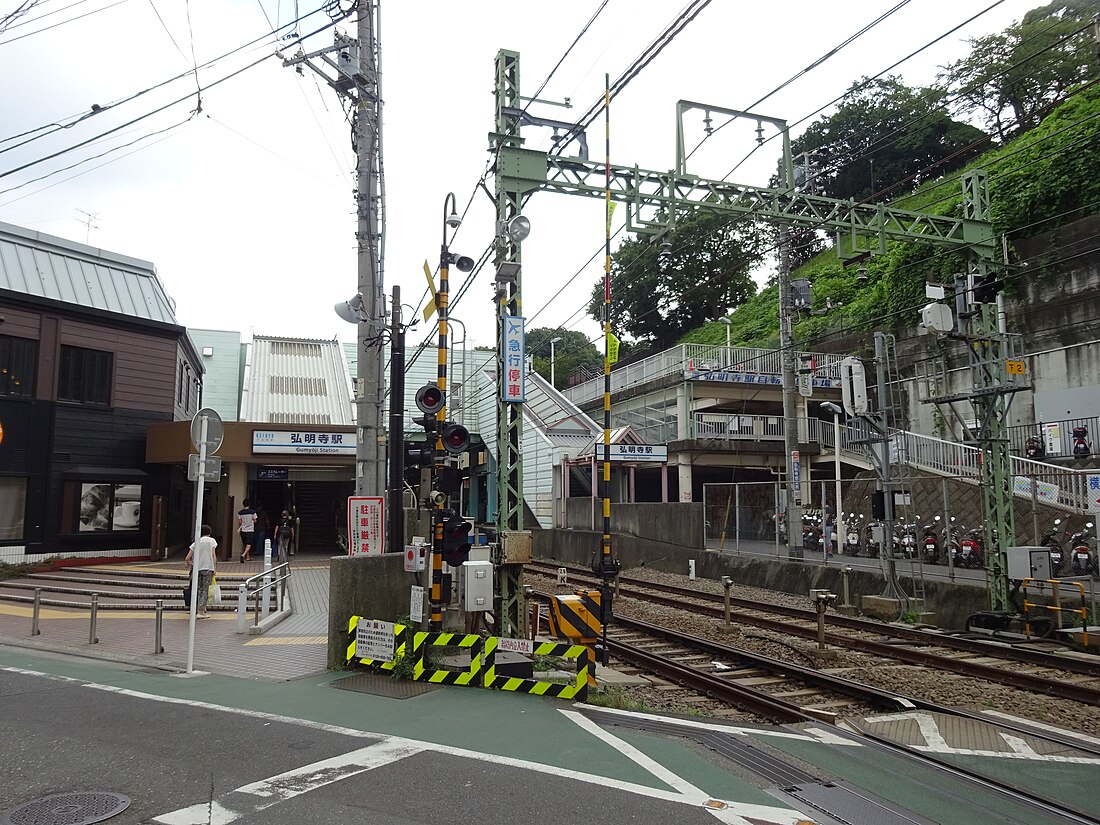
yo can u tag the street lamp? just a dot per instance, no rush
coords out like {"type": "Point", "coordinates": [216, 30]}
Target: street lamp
{"type": "Point", "coordinates": [838, 520]}
{"type": "Point", "coordinates": [728, 324]}
{"type": "Point", "coordinates": [553, 341]}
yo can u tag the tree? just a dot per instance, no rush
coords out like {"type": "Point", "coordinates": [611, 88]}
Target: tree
{"type": "Point", "coordinates": [657, 297]}
{"type": "Point", "coordinates": [1011, 79]}
{"type": "Point", "coordinates": [885, 137]}
{"type": "Point", "coordinates": [574, 351]}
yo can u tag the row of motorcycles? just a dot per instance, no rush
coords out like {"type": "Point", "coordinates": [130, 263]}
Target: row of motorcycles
{"type": "Point", "coordinates": [1070, 553]}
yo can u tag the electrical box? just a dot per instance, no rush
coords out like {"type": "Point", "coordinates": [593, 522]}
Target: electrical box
{"type": "Point", "coordinates": [475, 586]}
{"type": "Point", "coordinates": [1028, 563]}
{"type": "Point", "coordinates": [416, 555]}
{"type": "Point", "coordinates": [515, 547]}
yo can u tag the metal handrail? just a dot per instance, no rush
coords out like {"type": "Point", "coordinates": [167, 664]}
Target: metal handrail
{"type": "Point", "coordinates": [244, 592]}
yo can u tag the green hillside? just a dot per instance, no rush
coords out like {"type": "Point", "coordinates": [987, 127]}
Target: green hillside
{"type": "Point", "coordinates": [1048, 177]}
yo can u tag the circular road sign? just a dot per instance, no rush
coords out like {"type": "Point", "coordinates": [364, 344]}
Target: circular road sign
{"type": "Point", "coordinates": [215, 431]}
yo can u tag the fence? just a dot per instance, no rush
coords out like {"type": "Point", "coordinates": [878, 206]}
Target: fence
{"type": "Point", "coordinates": [740, 518]}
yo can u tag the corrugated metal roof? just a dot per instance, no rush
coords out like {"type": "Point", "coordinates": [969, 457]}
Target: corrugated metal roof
{"type": "Point", "coordinates": [33, 263]}
{"type": "Point", "coordinates": [296, 381]}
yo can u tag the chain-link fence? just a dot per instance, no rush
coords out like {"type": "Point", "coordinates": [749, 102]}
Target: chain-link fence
{"type": "Point", "coordinates": [933, 516]}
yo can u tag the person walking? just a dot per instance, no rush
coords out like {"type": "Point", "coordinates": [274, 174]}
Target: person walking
{"type": "Point", "coordinates": [284, 536]}
{"type": "Point", "coordinates": [246, 526]}
{"type": "Point", "coordinates": [263, 527]}
{"type": "Point", "coordinates": [202, 556]}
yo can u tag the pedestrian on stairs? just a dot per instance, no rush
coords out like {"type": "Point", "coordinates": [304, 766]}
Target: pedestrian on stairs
{"type": "Point", "coordinates": [246, 526]}
{"type": "Point", "coordinates": [202, 555]}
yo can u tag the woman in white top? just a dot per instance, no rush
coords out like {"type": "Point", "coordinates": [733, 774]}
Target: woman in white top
{"type": "Point", "coordinates": [202, 554]}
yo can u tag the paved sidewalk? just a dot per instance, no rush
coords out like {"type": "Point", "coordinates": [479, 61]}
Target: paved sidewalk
{"type": "Point", "coordinates": [294, 648]}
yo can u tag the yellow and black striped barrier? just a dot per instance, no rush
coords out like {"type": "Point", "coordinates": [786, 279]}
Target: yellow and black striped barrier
{"type": "Point", "coordinates": [482, 669]}
{"type": "Point", "coordinates": [577, 689]}
{"type": "Point", "coordinates": [415, 645]}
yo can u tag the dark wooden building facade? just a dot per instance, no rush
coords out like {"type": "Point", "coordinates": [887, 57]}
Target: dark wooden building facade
{"type": "Point", "coordinates": [90, 356]}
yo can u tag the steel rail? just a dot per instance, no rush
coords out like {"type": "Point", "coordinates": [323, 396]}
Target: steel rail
{"type": "Point", "coordinates": [867, 693]}
{"type": "Point", "coordinates": [1024, 681]}
{"type": "Point", "coordinates": [740, 696]}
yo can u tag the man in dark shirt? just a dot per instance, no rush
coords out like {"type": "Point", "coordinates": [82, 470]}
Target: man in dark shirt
{"type": "Point", "coordinates": [284, 536]}
{"type": "Point", "coordinates": [246, 521]}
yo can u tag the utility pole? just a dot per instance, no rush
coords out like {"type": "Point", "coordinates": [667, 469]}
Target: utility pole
{"type": "Point", "coordinates": [356, 80]}
{"type": "Point", "coordinates": [367, 137]}
{"type": "Point", "coordinates": [396, 517]}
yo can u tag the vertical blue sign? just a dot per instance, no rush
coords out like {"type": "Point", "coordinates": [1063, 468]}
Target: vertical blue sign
{"type": "Point", "coordinates": [514, 379]}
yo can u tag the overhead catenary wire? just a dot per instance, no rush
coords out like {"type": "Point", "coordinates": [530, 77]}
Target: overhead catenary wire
{"type": "Point", "coordinates": [706, 284]}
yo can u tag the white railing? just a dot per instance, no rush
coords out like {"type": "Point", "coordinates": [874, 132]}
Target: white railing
{"type": "Point", "coordinates": [1056, 486]}
{"type": "Point", "coordinates": [690, 360]}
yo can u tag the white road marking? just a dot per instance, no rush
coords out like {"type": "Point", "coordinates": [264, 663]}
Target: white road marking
{"type": "Point", "coordinates": [733, 813]}
{"type": "Point", "coordinates": [636, 756]}
{"type": "Point", "coordinates": [214, 813]}
{"type": "Point", "coordinates": [809, 735]}
{"type": "Point", "coordinates": [26, 672]}
{"type": "Point", "coordinates": [935, 743]}
{"type": "Point", "coordinates": [1073, 734]}
{"type": "Point", "coordinates": [259, 796]}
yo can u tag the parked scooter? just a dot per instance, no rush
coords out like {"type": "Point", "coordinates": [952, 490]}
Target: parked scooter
{"type": "Point", "coordinates": [1084, 560]}
{"type": "Point", "coordinates": [851, 539]}
{"type": "Point", "coordinates": [1034, 447]}
{"type": "Point", "coordinates": [811, 534]}
{"type": "Point", "coordinates": [950, 536]}
{"type": "Point", "coordinates": [1081, 446]}
{"type": "Point", "coordinates": [972, 550]}
{"type": "Point", "coordinates": [1052, 541]}
{"type": "Point", "coordinates": [909, 539]}
{"type": "Point", "coordinates": [929, 543]}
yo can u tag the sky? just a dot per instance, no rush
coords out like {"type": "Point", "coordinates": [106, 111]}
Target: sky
{"type": "Point", "coordinates": [245, 207]}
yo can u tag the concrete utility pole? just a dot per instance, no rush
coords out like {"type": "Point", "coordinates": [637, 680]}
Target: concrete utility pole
{"type": "Point", "coordinates": [357, 79]}
{"type": "Point", "coordinates": [367, 136]}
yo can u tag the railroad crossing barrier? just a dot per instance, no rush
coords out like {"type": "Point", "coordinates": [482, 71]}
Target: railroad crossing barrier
{"type": "Point", "coordinates": [390, 647]}
{"type": "Point", "coordinates": [1056, 607]}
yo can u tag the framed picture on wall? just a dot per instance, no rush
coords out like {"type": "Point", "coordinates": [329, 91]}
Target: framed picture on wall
{"type": "Point", "coordinates": [109, 507]}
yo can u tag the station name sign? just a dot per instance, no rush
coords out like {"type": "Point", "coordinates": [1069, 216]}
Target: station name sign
{"type": "Point", "coordinates": [303, 442]}
{"type": "Point", "coordinates": [634, 452]}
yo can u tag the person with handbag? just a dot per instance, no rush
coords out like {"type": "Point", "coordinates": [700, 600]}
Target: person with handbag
{"type": "Point", "coordinates": [202, 555]}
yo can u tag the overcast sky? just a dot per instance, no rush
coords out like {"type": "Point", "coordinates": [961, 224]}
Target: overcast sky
{"type": "Point", "coordinates": [246, 208]}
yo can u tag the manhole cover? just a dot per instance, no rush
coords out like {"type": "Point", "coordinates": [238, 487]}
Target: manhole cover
{"type": "Point", "coordinates": [380, 685]}
{"type": "Point", "coordinates": [78, 808]}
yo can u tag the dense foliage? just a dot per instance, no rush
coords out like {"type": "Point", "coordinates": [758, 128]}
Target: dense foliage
{"type": "Point", "coordinates": [883, 137]}
{"type": "Point", "coordinates": [574, 351]}
{"type": "Point", "coordinates": [1012, 79]}
{"type": "Point", "coordinates": [657, 295]}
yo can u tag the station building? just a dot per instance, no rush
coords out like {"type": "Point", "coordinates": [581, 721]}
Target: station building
{"type": "Point", "coordinates": [91, 355]}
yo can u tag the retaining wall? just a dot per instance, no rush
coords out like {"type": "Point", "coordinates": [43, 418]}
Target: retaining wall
{"type": "Point", "coordinates": [951, 603]}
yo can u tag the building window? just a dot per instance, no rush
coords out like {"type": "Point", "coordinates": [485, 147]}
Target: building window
{"type": "Point", "coordinates": [13, 503]}
{"type": "Point", "coordinates": [179, 391]}
{"type": "Point", "coordinates": [85, 376]}
{"type": "Point", "coordinates": [105, 507]}
{"type": "Point", "coordinates": [18, 357]}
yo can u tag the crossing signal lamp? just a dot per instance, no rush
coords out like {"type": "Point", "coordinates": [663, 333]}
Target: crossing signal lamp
{"type": "Point", "coordinates": [430, 399]}
{"type": "Point", "coordinates": [456, 538]}
{"type": "Point", "coordinates": [455, 438]}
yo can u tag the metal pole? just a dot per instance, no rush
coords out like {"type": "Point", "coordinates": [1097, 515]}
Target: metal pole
{"type": "Point", "coordinates": [396, 526]}
{"type": "Point", "coordinates": [35, 610]}
{"type": "Point", "coordinates": [727, 583]}
{"type": "Point", "coordinates": [821, 604]}
{"type": "Point", "coordinates": [442, 297]}
{"type": "Point", "coordinates": [838, 517]}
{"type": "Point", "coordinates": [1034, 506]}
{"type": "Point", "coordinates": [790, 411]}
{"type": "Point", "coordinates": [369, 469]}
{"type": "Point", "coordinates": [948, 534]}
{"type": "Point", "coordinates": [92, 639]}
{"type": "Point", "coordinates": [158, 647]}
{"type": "Point", "coordinates": [893, 588]}
{"type": "Point", "coordinates": [200, 482]}
{"type": "Point", "coordinates": [847, 592]}
{"type": "Point", "coordinates": [553, 377]}
{"type": "Point", "coordinates": [737, 517]}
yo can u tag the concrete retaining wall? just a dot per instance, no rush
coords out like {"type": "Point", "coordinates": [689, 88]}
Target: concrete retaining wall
{"type": "Point", "coordinates": [950, 602]}
{"type": "Point", "coordinates": [376, 587]}
{"type": "Point", "coordinates": [680, 522]}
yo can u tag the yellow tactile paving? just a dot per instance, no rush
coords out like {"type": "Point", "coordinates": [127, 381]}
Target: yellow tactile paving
{"type": "Point", "coordinates": [287, 640]}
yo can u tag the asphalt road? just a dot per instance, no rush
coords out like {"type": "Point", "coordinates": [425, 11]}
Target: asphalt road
{"type": "Point", "coordinates": [180, 762]}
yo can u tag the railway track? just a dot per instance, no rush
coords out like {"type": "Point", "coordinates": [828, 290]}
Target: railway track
{"type": "Point", "coordinates": [965, 656]}
{"type": "Point", "coordinates": [777, 690]}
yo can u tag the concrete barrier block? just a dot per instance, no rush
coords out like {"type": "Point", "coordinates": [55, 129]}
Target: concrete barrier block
{"type": "Point", "coordinates": [881, 607]}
